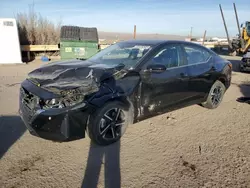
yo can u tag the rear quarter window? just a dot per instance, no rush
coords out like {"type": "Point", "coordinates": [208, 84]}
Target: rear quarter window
{"type": "Point", "coordinates": [196, 54]}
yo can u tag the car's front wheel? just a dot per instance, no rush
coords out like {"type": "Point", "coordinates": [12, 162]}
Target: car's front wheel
{"type": "Point", "coordinates": [215, 95]}
{"type": "Point", "coordinates": [109, 123]}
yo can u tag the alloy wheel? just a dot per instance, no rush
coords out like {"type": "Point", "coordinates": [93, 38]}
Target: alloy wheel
{"type": "Point", "coordinates": [216, 95]}
{"type": "Point", "coordinates": [111, 124]}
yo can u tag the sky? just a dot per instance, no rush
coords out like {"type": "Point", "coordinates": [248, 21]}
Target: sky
{"type": "Point", "coordinates": [150, 16]}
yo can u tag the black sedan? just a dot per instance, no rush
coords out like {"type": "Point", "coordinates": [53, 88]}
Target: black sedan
{"type": "Point", "coordinates": [118, 86]}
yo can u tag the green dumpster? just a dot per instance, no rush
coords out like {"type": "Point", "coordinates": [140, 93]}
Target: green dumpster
{"type": "Point", "coordinates": [78, 42]}
{"type": "Point", "coordinates": [76, 49]}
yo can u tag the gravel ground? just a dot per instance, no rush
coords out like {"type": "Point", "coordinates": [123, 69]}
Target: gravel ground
{"type": "Point", "coordinates": [190, 147]}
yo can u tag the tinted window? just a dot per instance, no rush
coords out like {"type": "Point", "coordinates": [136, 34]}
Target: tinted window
{"type": "Point", "coordinates": [168, 56]}
{"type": "Point", "coordinates": [196, 54]}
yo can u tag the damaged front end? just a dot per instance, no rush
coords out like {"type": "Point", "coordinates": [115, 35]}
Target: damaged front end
{"type": "Point", "coordinates": [51, 116]}
{"type": "Point", "coordinates": [68, 98]}
{"type": "Point", "coordinates": [54, 100]}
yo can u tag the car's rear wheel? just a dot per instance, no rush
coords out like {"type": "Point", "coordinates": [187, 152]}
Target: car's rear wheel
{"type": "Point", "coordinates": [215, 95]}
{"type": "Point", "coordinates": [109, 123]}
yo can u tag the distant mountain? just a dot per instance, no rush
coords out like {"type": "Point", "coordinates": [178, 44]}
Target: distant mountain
{"type": "Point", "coordinates": [112, 36]}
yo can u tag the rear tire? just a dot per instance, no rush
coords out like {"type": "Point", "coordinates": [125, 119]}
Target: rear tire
{"type": "Point", "coordinates": [215, 95]}
{"type": "Point", "coordinates": [108, 124]}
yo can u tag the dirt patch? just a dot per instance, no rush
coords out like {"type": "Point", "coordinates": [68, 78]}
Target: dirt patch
{"type": "Point", "coordinates": [24, 165]}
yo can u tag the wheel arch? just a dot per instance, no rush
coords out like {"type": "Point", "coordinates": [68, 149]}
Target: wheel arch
{"type": "Point", "coordinates": [125, 100]}
{"type": "Point", "coordinates": [225, 76]}
{"type": "Point", "coordinates": [122, 98]}
{"type": "Point", "coordinates": [222, 78]}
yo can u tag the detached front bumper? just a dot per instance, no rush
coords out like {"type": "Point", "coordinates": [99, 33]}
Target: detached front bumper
{"type": "Point", "coordinates": [62, 124]}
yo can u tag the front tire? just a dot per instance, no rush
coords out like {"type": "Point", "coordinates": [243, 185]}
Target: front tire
{"type": "Point", "coordinates": [108, 124]}
{"type": "Point", "coordinates": [215, 95]}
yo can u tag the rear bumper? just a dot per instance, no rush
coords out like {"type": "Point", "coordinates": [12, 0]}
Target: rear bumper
{"type": "Point", "coordinates": [62, 124]}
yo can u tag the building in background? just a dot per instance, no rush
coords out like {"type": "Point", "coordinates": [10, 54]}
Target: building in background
{"type": "Point", "coordinates": [9, 42]}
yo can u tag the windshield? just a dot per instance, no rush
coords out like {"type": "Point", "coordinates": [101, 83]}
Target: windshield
{"type": "Point", "coordinates": [127, 54]}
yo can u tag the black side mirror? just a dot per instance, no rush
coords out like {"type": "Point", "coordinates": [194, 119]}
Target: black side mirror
{"type": "Point", "coordinates": [156, 68]}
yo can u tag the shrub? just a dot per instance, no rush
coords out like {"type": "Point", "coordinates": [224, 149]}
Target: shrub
{"type": "Point", "coordinates": [37, 30]}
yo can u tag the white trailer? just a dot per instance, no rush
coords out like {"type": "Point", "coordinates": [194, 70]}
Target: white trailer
{"type": "Point", "coordinates": [10, 50]}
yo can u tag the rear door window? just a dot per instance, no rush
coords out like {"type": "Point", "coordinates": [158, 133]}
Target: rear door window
{"type": "Point", "coordinates": [196, 54]}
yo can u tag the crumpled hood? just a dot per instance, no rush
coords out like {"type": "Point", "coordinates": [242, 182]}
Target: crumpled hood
{"type": "Point", "coordinates": [64, 75]}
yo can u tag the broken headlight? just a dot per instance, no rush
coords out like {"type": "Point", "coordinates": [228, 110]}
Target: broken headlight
{"type": "Point", "coordinates": [69, 98]}
{"type": "Point", "coordinates": [54, 103]}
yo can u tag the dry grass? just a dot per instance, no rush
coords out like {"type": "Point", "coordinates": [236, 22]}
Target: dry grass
{"type": "Point", "coordinates": [37, 30]}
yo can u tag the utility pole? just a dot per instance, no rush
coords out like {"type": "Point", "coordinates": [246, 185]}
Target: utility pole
{"type": "Point", "coordinates": [224, 22]}
{"type": "Point", "coordinates": [204, 37]}
{"type": "Point", "coordinates": [191, 32]}
{"type": "Point", "coordinates": [237, 19]}
{"type": "Point", "coordinates": [238, 25]}
{"type": "Point", "coordinates": [134, 31]}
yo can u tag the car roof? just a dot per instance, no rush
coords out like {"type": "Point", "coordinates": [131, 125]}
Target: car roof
{"type": "Point", "coordinates": [145, 42]}
{"type": "Point", "coordinates": [153, 42]}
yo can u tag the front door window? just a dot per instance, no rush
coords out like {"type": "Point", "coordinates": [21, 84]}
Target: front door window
{"type": "Point", "coordinates": [168, 56]}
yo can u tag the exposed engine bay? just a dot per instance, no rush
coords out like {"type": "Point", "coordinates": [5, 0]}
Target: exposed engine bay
{"type": "Point", "coordinates": [68, 98]}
